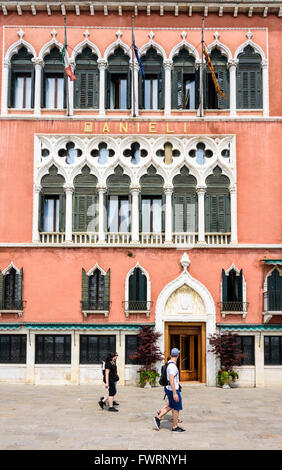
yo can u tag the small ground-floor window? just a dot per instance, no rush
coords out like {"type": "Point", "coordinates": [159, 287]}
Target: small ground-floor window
{"type": "Point", "coordinates": [247, 346]}
{"type": "Point", "coordinates": [13, 349]}
{"type": "Point", "coordinates": [273, 350]}
{"type": "Point", "coordinates": [131, 342]}
{"type": "Point", "coordinates": [95, 348]}
{"type": "Point", "coordinates": [52, 349]}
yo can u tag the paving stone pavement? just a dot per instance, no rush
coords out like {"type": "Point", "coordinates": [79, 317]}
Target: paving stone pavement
{"type": "Point", "coordinates": [69, 418]}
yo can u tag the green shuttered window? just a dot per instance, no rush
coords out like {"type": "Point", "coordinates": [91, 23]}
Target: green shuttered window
{"type": "Point", "coordinates": [217, 213]}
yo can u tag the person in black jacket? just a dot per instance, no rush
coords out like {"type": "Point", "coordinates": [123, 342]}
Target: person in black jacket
{"type": "Point", "coordinates": [111, 379]}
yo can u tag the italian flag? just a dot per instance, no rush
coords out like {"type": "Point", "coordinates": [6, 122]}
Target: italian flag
{"type": "Point", "coordinates": [67, 65]}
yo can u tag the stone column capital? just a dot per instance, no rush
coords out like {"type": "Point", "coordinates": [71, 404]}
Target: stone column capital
{"type": "Point", "coordinates": [102, 64]}
{"type": "Point", "coordinates": [232, 63]}
{"type": "Point", "coordinates": [168, 64]}
{"type": "Point", "coordinates": [37, 62]}
{"type": "Point", "coordinates": [201, 189]}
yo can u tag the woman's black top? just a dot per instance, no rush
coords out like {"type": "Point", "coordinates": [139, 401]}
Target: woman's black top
{"type": "Point", "coordinates": [113, 371]}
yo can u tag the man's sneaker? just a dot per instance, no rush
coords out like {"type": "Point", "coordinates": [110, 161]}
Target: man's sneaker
{"type": "Point", "coordinates": [157, 422]}
{"type": "Point", "coordinates": [178, 429]}
{"type": "Point", "coordinates": [101, 403]}
{"type": "Point", "coordinates": [115, 403]}
{"type": "Point", "coordinates": [112, 408]}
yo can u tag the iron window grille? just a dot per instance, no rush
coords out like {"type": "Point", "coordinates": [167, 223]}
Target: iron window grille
{"type": "Point", "coordinates": [12, 349]}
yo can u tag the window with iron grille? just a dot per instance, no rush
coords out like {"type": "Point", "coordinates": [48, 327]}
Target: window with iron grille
{"type": "Point", "coordinates": [131, 343]}
{"type": "Point", "coordinates": [52, 349]}
{"type": "Point", "coordinates": [247, 346]}
{"type": "Point", "coordinates": [95, 348]}
{"type": "Point", "coordinates": [12, 349]}
{"type": "Point", "coordinates": [273, 350]}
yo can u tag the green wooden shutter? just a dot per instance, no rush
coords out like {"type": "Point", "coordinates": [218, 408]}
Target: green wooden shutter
{"type": "Point", "coordinates": [85, 89]}
{"type": "Point", "coordinates": [224, 287]}
{"type": "Point", "coordinates": [161, 89]}
{"type": "Point", "coordinates": [107, 284]}
{"type": "Point", "coordinates": [132, 286]}
{"type": "Point", "coordinates": [190, 213]}
{"type": "Point", "coordinates": [240, 286]}
{"type": "Point", "coordinates": [141, 91]}
{"type": "Point", "coordinates": [43, 89]}
{"type": "Point", "coordinates": [19, 289]}
{"type": "Point", "coordinates": [163, 213]}
{"type": "Point", "coordinates": [107, 89]}
{"type": "Point", "coordinates": [32, 86]}
{"type": "Point", "coordinates": [96, 79]}
{"type": "Point", "coordinates": [178, 211]}
{"type": "Point", "coordinates": [41, 212]}
{"type": "Point", "coordinates": [197, 88]}
{"type": "Point", "coordinates": [142, 294]}
{"type": "Point", "coordinates": [129, 89]}
{"type": "Point", "coordinates": [177, 89]}
{"type": "Point", "coordinates": [62, 211]}
{"type": "Point", "coordinates": [1, 290]}
{"type": "Point", "coordinates": [223, 81]}
{"type": "Point", "coordinates": [85, 288]}
{"type": "Point", "coordinates": [213, 213]}
{"type": "Point", "coordinates": [83, 214]}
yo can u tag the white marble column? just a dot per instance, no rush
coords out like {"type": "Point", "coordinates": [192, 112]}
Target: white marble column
{"type": "Point", "coordinates": [201, 191]}
{"type": "Point", "coordinates": [265, 88]}
{"type": "Point", "coordinates": [135, 191]}
{"type": "Point", "coordinates": [232, 64]}
{"type": "Point", "coordinates": [168, 67]}
{"type": "Point", "coordinates": [168, 214]}
{"type": "Point", "coordinates": [101, 191]}
{"type": "Point", "coordinates": [259, 360]}
{"type": "Point", "coordinates": [38, 65]}
{"type": "Point", "coordinates": [75, 369]}
{"type": "Point", "coordinates": [102, 65]}
{"type": "Point", "coordinates": [30, 355]}
{"type": "Point", "coordinates": [233, 210]}
{"type": "Point", "coordinates": [36, 196]}
{"type": "Point", "coordinates": [68, 228]}
{"type": "Point", "coordinates": [5, 87]}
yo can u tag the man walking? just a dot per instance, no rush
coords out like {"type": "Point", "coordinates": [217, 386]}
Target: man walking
{"type": "Point", "coordinates": [173, 393]}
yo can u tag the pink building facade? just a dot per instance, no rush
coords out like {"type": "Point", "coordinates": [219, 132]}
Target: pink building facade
{"type": "Point", "coordinates": [122, 205]}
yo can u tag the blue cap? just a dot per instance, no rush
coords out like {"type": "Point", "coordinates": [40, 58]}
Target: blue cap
{"type": "Point", "coordinates": [174, 352]}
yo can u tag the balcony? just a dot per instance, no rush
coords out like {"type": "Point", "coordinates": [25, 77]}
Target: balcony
{"type": "Point", "coordinates": [95, 308]}
{"type": "Point", "coordinates": [13, 306]}
{"type": "Point", "coordinates": [132, 307]}
{"type": "Point", "coordinates": [183, 239]}
{"type": "Point", "coordinates": [272, 304]}
{"type": "Point", "coordinates": [233, 308]}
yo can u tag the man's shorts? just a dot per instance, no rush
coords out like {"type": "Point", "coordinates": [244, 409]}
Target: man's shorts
{"type": "Point", "coordinates": [112, 389]}
{"type": "Point", "coordinates": [176, 405]}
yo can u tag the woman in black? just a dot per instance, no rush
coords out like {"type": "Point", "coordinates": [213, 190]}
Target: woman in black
{"type": "Point", "coordinates": [111, 379]}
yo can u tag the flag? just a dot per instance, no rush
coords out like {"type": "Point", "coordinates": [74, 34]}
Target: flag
{"type": "Point", "coordinates": [217, 87]}
{"type": "Point", "coordinates": [66, 62]}
{"type": "Point", "coordinates": [137, 54]}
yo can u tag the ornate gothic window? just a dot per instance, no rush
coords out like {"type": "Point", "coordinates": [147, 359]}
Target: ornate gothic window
{"type": "Point", "coordinates": [21, 82]}
{"type": "Point", "coordinates": [52, 202]}
{"type": "Point", "coordinates": [86, 86]}
{"type": "Point", "coordinates": [135, 153]}
{"type": "Point", "coordinates": [212, 100]}
{"type": "Point", "coordinates": [118, 92]}
{"type": "Point", "coordinates": [103, 153]}
{"type": "Point", "coordinates": [151, 87]}
{"type": "Point", "coordinates": [53, 89]}
{"type": "Point", "coordinates": [249, 80]}
{"type": "Point", "coordinates": [96, 291]}
{"type": "Point", "coordinates": [185, 82]}
{"type": "Point", "coordinates": [70, 153]}
{"type": "Point", "coordinates": [200, 153]}
{"type": "Point", "coordinates": [217, 203]}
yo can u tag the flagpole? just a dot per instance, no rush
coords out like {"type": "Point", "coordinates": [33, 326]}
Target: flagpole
{"type": "Point", "coordinates": [133, 74]}
{"type": "Point", "coordinates": [202, 74]}
{"type": "Point", "coordinates": [67, 78]}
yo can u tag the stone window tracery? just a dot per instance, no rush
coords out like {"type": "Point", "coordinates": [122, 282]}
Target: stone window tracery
{"type": "Point", "coordinates": [70, 153]}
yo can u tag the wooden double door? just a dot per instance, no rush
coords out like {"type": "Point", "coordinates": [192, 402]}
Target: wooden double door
{"type": "Point", "coordinates": [190, 340]}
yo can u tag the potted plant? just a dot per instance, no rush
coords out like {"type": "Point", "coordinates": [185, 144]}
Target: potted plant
{"type": "Point", "coordinates": [147, 354]}
{"type": "Point", "coordinates": [225, 347]}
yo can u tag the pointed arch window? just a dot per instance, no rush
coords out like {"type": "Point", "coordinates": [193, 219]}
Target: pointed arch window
{"type": "Point", "coordinates": [249, 80]}
{"type": "Point", "coordinates": [118, 207]}
{"type": "Point", "coordinates": [11, 288]}
{"type": "Point", "coordinates": [86, 86]}
{"type": "Point", "coordinates": [151, 88]}
{"type": "Point", "coordinates": [53, 89]}
{"type": "Point", "coordinates": [85, 202]}
{"type": "Point", "coordinates": [233, 292]}
{"type": "Point", "coordinates": [95, 292]}
{"type": "Point", "coordinates": [185, 81]}
{"type": "Point", "coordinates": [52, 202]}
{"type": "Point", "coordinates": [137, 294]}
{"type": "Point", "coordinates": [21, 81]}
{"type": "Point", "coordinates": [217, 203]}
{"type": "Point", "coordinates": [118, 79]}
{"type": "Point", "coordinates": [185, 207]}
{"type": "Point", "coordinates": [274, 291]}
{"type": "Point", "coordinates": [212, 99]}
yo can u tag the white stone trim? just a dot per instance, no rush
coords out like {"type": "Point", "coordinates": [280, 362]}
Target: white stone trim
{"type": "Point", "coordinates": [126, 290]}
{"type": "Point", "coordinates": [209, 318]}
{"type": "Point", "coordinates": [8, 269]}
{"type": "Point", "coordinates": [92, 270]}
{"type": "Point", "coordinates": [86, 43]}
